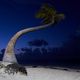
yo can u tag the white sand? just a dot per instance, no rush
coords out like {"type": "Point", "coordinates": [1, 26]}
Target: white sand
{"type": "Point", "coordinates": [41, 74]}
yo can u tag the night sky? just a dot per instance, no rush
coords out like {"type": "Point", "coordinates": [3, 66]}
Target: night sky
{"type": "Point", "coordinates": [19, 14]}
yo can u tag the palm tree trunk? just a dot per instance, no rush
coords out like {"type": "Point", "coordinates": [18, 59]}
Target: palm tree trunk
{"type": "Point", "coordinates": [9, 55]}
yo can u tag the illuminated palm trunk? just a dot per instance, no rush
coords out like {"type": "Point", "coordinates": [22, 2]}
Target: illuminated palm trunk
{"type": "Point", "coordinates": [9, 55]}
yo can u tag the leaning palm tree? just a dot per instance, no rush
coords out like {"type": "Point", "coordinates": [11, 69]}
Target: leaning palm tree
{"type": "Point", "coordinates": [48, 14]}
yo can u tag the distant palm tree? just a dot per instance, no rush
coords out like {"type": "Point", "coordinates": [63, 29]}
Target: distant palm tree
{"type": "Point", "coordinates": [49, 16]}
{"type": "Point", "coordinates": [38, 43]}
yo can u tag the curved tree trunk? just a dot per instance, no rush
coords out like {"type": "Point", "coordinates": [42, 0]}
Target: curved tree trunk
{"type": "Point", "coordinates": [9, 55]}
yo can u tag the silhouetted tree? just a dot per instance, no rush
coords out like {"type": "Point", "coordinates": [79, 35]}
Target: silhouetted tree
{"type": "Point", "coordinates": [2, 51]}
{"type": "Point", "coordinates": [1, 54]}
{"type": "Point", "coordinates": [38, 43]}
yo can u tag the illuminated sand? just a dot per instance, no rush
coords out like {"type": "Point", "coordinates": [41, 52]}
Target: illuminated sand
{"type": "Point", "coordinates": [41, 74]}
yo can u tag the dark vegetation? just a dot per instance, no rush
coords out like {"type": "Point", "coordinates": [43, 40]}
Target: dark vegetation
{"type": "Point", "coordinates": [15, 68]}
{"type": "Point", "coordinates": [39, 53]}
